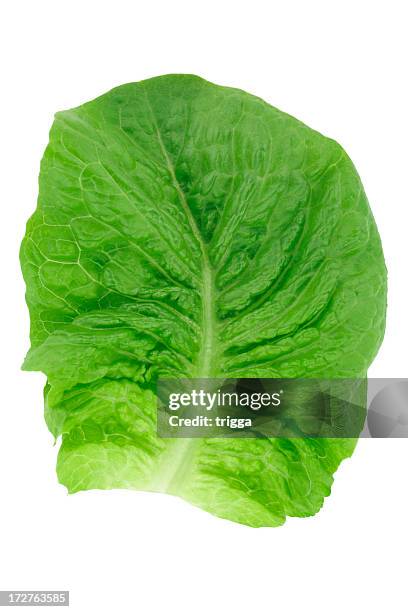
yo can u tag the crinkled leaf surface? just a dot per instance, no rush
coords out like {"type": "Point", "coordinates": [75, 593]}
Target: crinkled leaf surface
{"type": "Point", "coordinates": [189, 230]}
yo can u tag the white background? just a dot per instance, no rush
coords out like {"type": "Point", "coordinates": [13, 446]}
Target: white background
{"type": "Point", "coordinates": [341, 68]}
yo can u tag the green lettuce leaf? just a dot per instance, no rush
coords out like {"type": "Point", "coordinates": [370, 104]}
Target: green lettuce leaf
{"type": "Point", "coordinates": [188, 230]}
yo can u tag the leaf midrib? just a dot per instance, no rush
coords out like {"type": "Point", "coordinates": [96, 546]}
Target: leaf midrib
{"type": "Point", "coordinates": [179, 458]}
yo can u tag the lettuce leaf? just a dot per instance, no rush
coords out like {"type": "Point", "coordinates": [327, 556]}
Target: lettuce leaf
{"type": "Point", "coordinates": [189, 230]}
